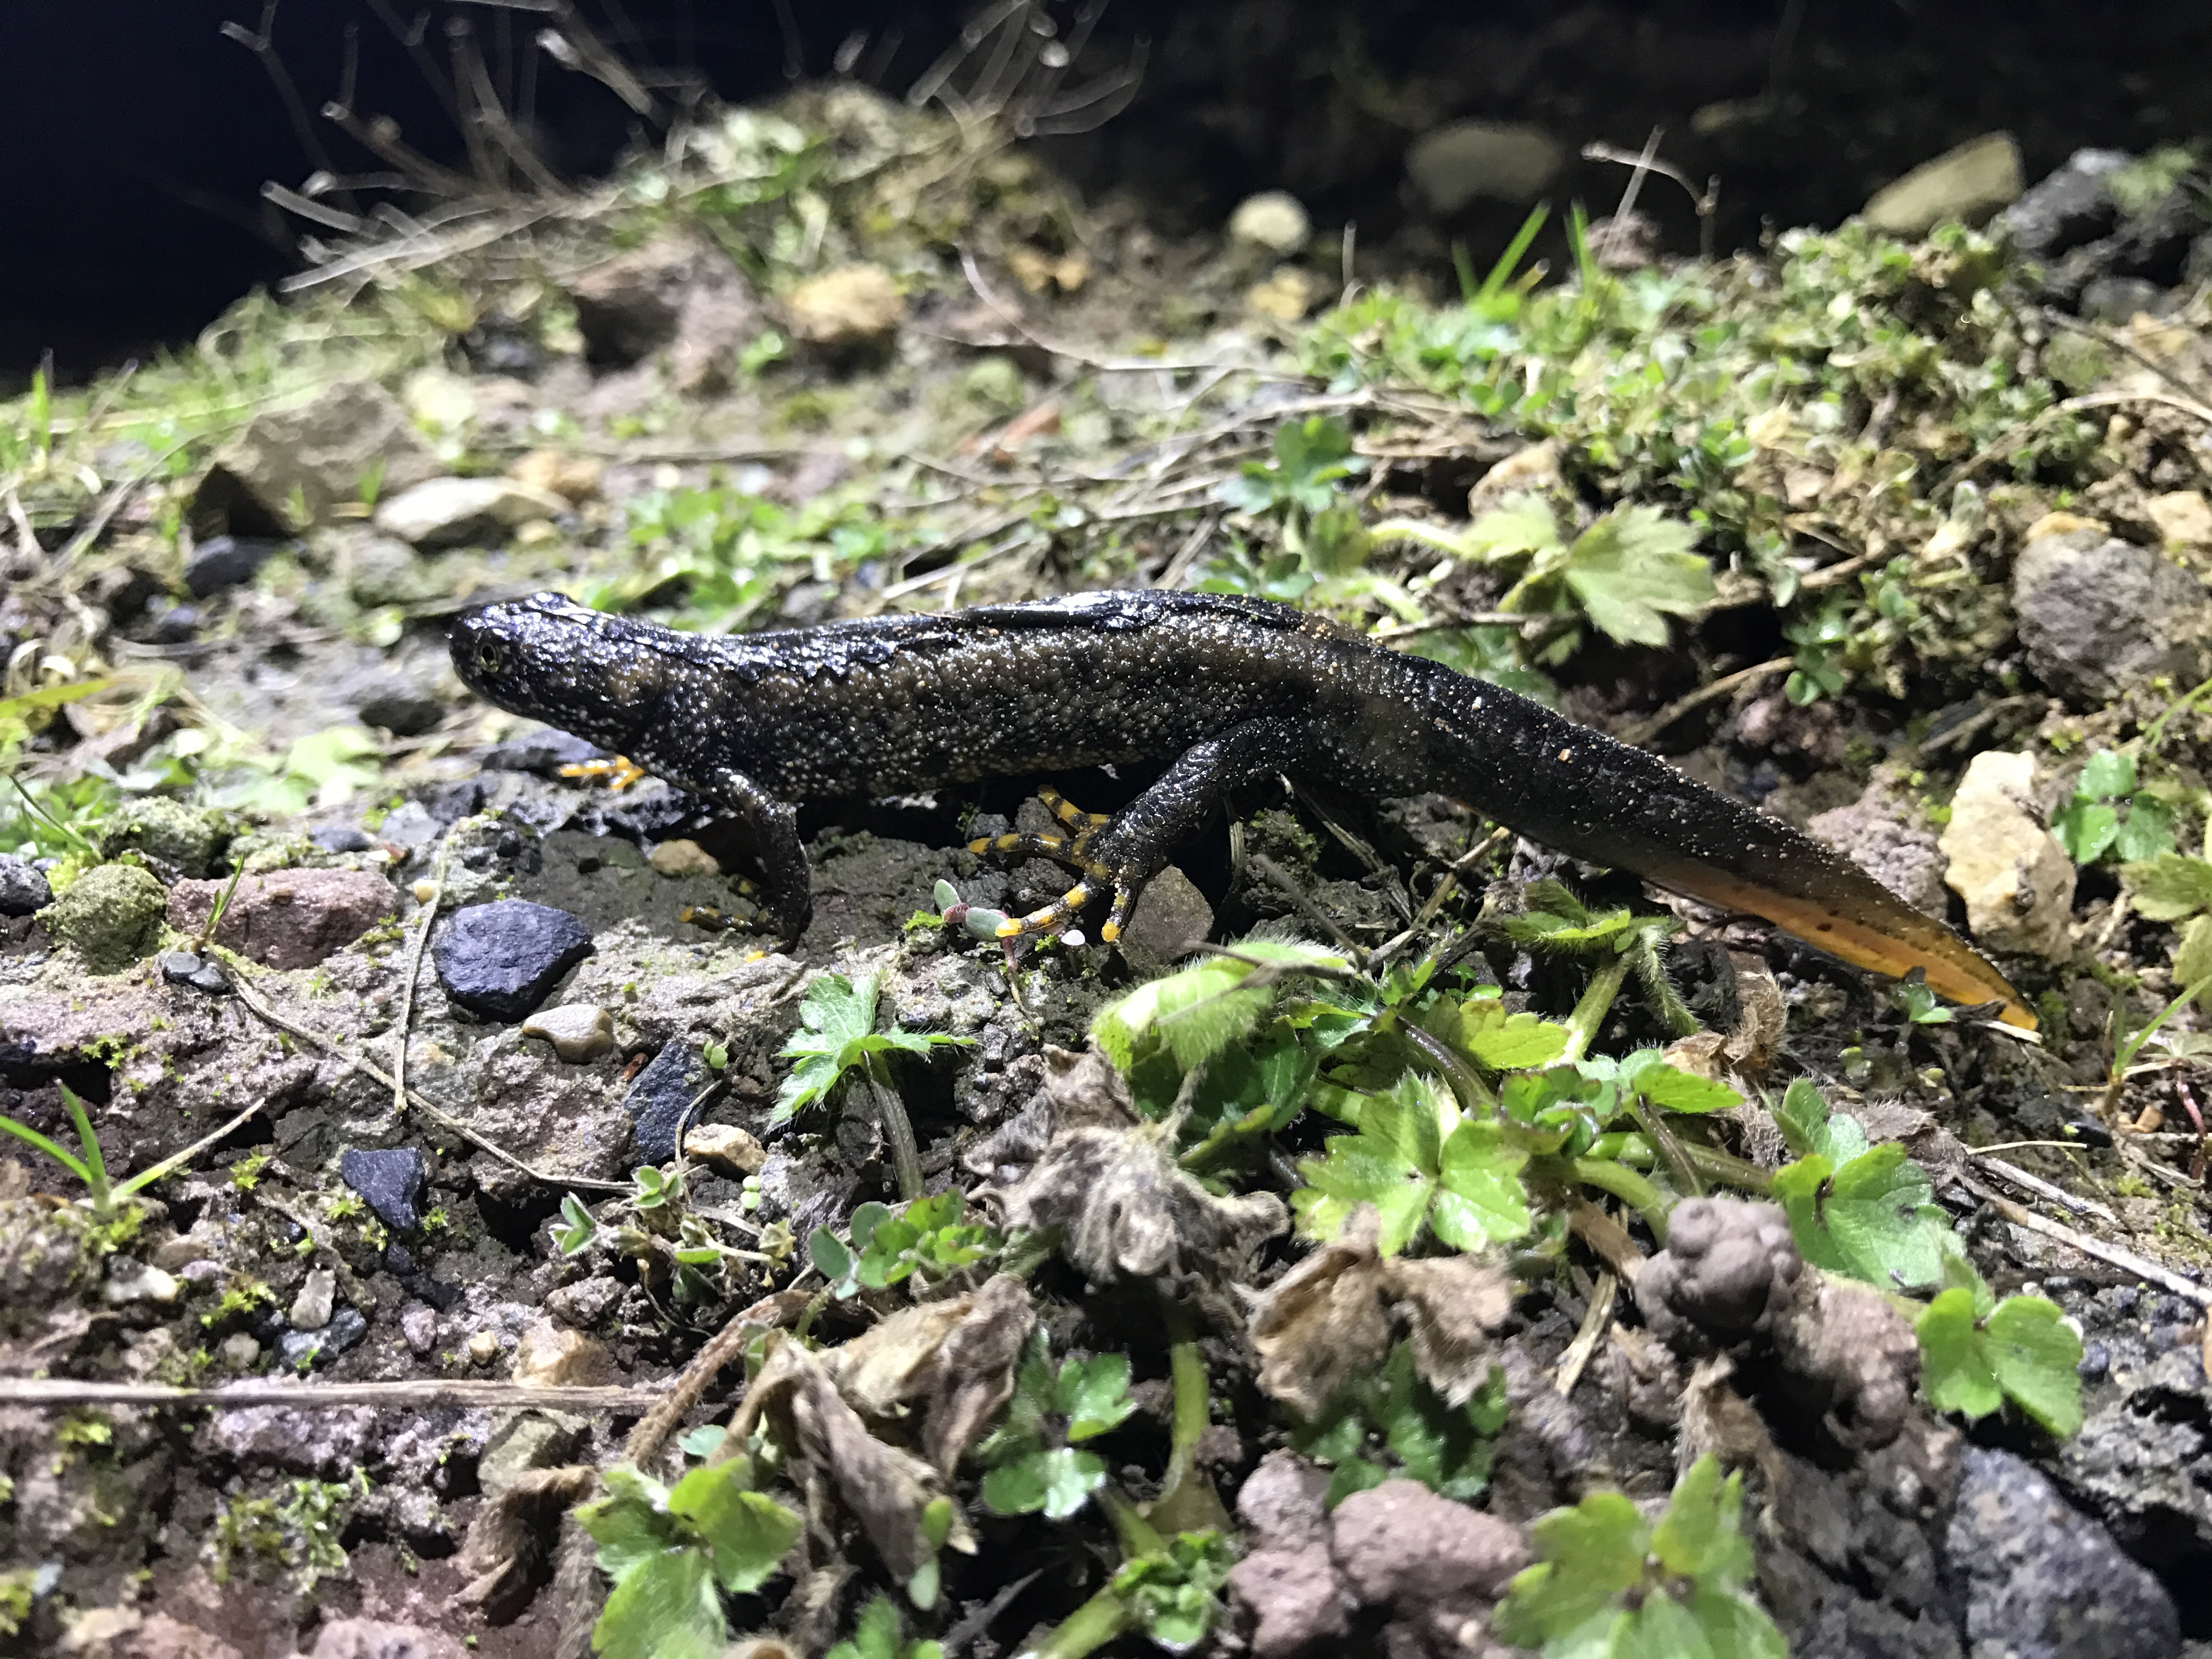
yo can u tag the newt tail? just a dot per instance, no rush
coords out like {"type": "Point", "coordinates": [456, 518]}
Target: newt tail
{"type": "Point", "coordinates": [1225, 689]}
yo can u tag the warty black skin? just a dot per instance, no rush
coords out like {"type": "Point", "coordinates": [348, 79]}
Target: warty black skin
{"type": "Point", "coordinates": [1233, 688]}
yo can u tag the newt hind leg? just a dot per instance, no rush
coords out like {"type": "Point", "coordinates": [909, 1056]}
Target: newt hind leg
{"type": "Point", "coordinates": [1126, 849]}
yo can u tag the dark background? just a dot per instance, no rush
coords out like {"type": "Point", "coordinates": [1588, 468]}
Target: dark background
{"type": "Point", "coordinates": [133, 137]}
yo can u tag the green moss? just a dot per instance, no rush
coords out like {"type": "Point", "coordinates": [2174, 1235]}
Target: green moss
{"type": "Point", "coordinates": [166, 831]}
{"type": "Point", "coordinates": [45, 1256]}
{"type": "Point", "coordinates": [112, 913]}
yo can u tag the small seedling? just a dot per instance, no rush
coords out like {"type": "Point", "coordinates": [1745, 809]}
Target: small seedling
{"type": "Point", "coordinates": [668, 1548]}
{"type": "Point", "coordinates": [1977, 1353]}
{"type": "Point", "coordinates": [2107, 813]}
{"type": "Point", "coordinates": [1609, 1582]}
{"type": "Point", "coordinates": [880, 1634]}
{"type": "Point", "coordinates": [1390, 1422]}
{"type": "Point", "coordinates": [1035, 1466]}
{"type": "Point", "coordinates": [927, 1238]}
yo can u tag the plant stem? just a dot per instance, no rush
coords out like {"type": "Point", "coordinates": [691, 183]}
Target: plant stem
{"type": "Point", "coordinates": [898, 1128]}
{"type": "Point", "coordinates": [1087, 1630]}
{"type": "Point", "coordinates": [1474, 1096]}
{"type": "Point", "coordinates": [1630, 1188]}
{"type": "Point", "coordinates": [95, 1167]}
{"type": "Point", "coordinates": [1138, 1536]}
{"type": "Point", "coordinates": [1188, 1501]}
{"type": "Point", "coordinates": [1686, 1173]}
{"type": "Point", "coordinates": [1596, 1002]}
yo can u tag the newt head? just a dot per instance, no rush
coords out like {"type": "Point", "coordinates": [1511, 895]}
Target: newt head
{"type": "Point", "coordinates": [573, 667]}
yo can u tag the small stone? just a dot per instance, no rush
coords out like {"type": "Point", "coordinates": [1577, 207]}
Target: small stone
{"type": "Point", "coordinates": [542, 752]}
{"type": "Point", "coordinates": [851, 306]}
{"type": "Point", "coordinates": [529, 1440]}
{"type": "Point", "coordinates": [139, 1281]}
{"type": "Point", "coordinates": [578, 1031]}
{"type": "Point", "coordinates": [312, 1308]}
{"type": "Point", "coordinates": [23, 887]}
{"type": "Point", "coordinates": [300, 1350]}
{"type": "Point", "coordinates": [223, 562]}
{"type": "Point", "coordinates": [678, 291]}
{"type": "Point", "coordinates": [1504, 162]}
{"type": "Point", "coordinates": [1170, 919]}
{"type": "Point", "coordinates": [661, 1096]}
{"type": "Point", "coordinates": [1873, 834]}
{"type": "Point", "coordinates": [1968, 183]}
{"type": "Point", "coordinates": [391, 1182]}
{"type": "Point", "coordinates": [483, 1347]}
{"type": "Point", "coordinates": [2069, 207]}
{"type": "Point", "coordinates": [683, 858]}
{"type": "Point", "coordinates": [726, 1147]}
{"type": "Point", "coordinates": [382, 570]}
{"type": "Point", "coordinates": [557, 1358]}
{"type": "Point", "coordinates": [2040, 1577]}
{"type": "Point", "coordinates": [501, 960]}
{"type": "Point", "coordinates": [178, 967]}
{"type": "Point", "coordinates": [418, 1325]}
{"type": "Point", "coordinates": [585, 1303]}
{"type": "Point", "coordinates": [1274, 220]}
{"type": "Point", "coordinates": [439, 400]}
{"type": "Point", "coordinates": [1287, 296]}
{"type": "Point", "coordinates": [287, 918]}
{"type": "Point", "coordinates": [318, 455]}
{"type": "Point", "coordinates": [112, 913]}
{"type": "Point", "coordinates": [240, 1352]}
{"type": "Point", "coordinates": [447, 511]}
{"type": "Point", "coordinates": [341, 838]}
{"type": "Point", "coordinates": [372, 1638]}
{"type": "Point", "coordinates": [575, 478]}
{"type": "Point", "coordinates": [402, 707]}
{"type": "Point", "coordinates": [1398, 1544]}
{"type": "Point", "coordinates": [2098, 616]}
{"type": "Point", "coordinates": [2015, 877]}
{"type": "Point", "coordinates": [2184, 517]}
{"type": "Point", "coordinates": [165, 832]}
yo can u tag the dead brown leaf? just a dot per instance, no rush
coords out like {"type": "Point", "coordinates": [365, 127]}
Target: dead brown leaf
{"type": "Point", "coordinates": [957, 1355]}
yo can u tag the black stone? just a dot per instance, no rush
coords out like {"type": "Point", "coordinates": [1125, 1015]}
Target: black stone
{"type": "Point", "coordinates": [2096, 1363]}
{"type": "Point", "coordinates": [656, 1101]}
{"type": "Point", "coordinates": [441, 1293]}
{"type": "Point", "coordinates": [209, 979]}
{"type": "Point", "coordinates": [2040, 1577]}
{"type": "Point", "coordinates": [2067, 208]}
{"type": "Point", "coordinates": [450, 803]}
{"type": "Point", "coordinates": [542, 752]}
{"type": "Point", "coordinates": [300, 1350]}
{"type": "Point", "coordinates": [341, 838]}
{"type": "Point", "coordinates": [398, 1259]}
{"type": "Point", "coordinates": [404, 710]}
{"type": "Point", "coordinates": [178, 967]}
{"type": "Point", "coordinates": [22, 887]}
{"type": "Point", "coordinates": [389, 1182]}
{"type": "Point", "coordinates": [223, 562]}
{"type": "Point", "coordinates": [501, 960]}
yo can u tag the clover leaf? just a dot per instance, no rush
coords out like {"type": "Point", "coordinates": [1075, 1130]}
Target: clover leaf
{"type": "Point", "coordinates": [666, 1549]}
{"type": "Point", "coordinates": [1034, 1465]}
{"type": "Point", "coordinates": [1973, 1360]}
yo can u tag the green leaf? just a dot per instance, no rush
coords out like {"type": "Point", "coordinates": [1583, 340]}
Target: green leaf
{"type": "Point", "coordinates": [1674, 1089]}
{"type": "Point", "coordinates": [2169, 886]}
{"type": "Point", "coordinates": [2108, 774]}
{"type": "Point", "coordinates": [1633, 569]}
{"type": "Point", "coordinates": [2192, 962]}
{"type": "Point", "coordinates": [876, 1634]}
{"type": "Point", "coordinates": [1591, 1556]}
{"type": "Point", "coordinates": [2085, 828]}
{"type": "Point", "coordinates": [576, 1230]}
{"type": "Point", "coordinates": [1057, 1482]}
{"type": "Point", "coordinates": [1520, 526]}
{"type": "Point", "coordinates": [1955, 1368]}
{"type": "Point", "coordinates": [747, 1533]}
{"type": "Point", "coordinates": [2147, 832]}
{"type": "Point", "coordinates": [1392, 1164]}
{"type": "Point", "coordinates": [1093, 1394]}
{"type": "Point", "coordinates": [1509, 1042]}
{"type": "Point", "coordinates": [1736, 1628]}
{"type": "Point", "coordinates": [1873, 1218]}
{"type": "Point", "coordinates": [837, 1032]}
{"type": "Point", "coordinates": [663, 1606]}
{"type": "Point", "coordinates": [1480, 1198]}
{"type": "Point", "coordinates": [2033, 1354]}
{"type": "Point", "coordinates": [1198, 1011]}
{"type": "Point", "coordinates": [631, 1522]}
{"type": "Point", "coordinates": [1697, 1537]}
{"type": "Point", "coordinates": [829, 1256]}
{"type": "Point", "coordinates": [1174, 1592]}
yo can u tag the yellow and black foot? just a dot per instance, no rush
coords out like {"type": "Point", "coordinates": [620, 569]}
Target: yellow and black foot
{"type": "Point", "coordinates": [620, 771]}
{"type": "Point", "coordinates": [1073, 851]}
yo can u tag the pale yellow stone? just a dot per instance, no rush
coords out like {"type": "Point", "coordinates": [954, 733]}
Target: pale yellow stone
{"type": "Point", "coordinates": [846, 306]}
{"type": "Point", "coordinates": [683, 858]}
{"type": "Point", "coordinates": [727, 1146]}
{"type": "Point", "coordinates": [557, 1358]}
{"type": "Point", "coordinates": [1534, 468]}
{"type": "Point", "coordinates": [1286, 296]}
{"type": "Point", "coordinates": [578, 1031]}
{"type": "Point", "coordinates": [575, 477]}
{"type": "Point", "coordinates": [2060, 524]}
{"type": "Point", "coordinates": [484, 1348]}
{"type": "Point", "coordinates": [1770, 426]}
{"type": "Point", "coordinates": [2015, 877]}
{"type": "Point", "coordinates": [2184, 517]}
{"type": "Point", "coordinates": [1274, 220]}
{"type": "Point", "coordinates": [1969, 183]}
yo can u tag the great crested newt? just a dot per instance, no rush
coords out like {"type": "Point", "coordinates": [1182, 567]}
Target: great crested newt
{"type": "Point", "coordinates": [1227, 689]}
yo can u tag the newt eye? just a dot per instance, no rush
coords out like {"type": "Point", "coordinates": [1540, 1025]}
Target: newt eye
{"type": "Point", "coordinates": [492, 657]}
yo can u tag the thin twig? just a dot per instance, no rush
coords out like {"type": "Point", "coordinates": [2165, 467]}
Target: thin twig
{"type": "Point", "coordinates": [258, 1005]}
{"type": "Point", "coordinates": [1644, 730]}
{"type": "Point", "coordinates": [413, 972]}
{"type": "Point", "coordinates": [2112, 1254]}
{"type": "Point", "coordinates": [727, 1344]}
{"type": "Point", "coordinates": [1596, 1320]}
{"type": "Point", "coordinates": [2043, 1189]}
